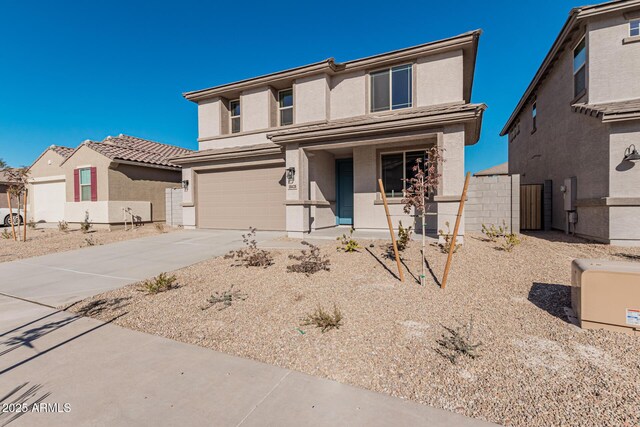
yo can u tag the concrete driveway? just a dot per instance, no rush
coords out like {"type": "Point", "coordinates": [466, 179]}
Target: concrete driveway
{"type": "Point", "coordinates": [80, 371]}
{"type": "Point", "coordinates": [65, 277]}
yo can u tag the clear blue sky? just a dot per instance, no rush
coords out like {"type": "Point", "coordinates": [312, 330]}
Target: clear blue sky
{"type": "Point", "coordinates": [71, 71]}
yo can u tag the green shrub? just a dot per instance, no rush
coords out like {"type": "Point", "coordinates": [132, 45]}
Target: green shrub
{"type": "Point", "coordinates": [404, 237]}
{"type": "Point", "coordinates": [347, 243]}
{"type": "Point", "coordinates": [510, 241]}
{"type": "Point", "coordinates": [493, 233]}
{"type": "Point", "coordinates": [448, 240]}
{"type": "Point", "coordinates": [324, 320]}
{"type": "Point", "coordinates": [161, 283]}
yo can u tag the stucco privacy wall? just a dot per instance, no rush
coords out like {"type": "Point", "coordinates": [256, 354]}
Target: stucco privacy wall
{"type": "Point", "coordinates": [613, 65]}
{"type": "Point", "coordinates": [493, 200]}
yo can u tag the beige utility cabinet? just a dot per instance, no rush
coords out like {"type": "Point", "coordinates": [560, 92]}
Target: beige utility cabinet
{"type": "Point", "coordinates": [606, 294]}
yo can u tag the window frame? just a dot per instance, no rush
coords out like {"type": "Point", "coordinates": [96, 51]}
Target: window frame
{"type": "Point", "coordinates": [631, 29]}
{"type": "Point", "coordinates": [280, 109]}
{"type": "Point", "coordinates": [81, 185]}
{"type": "Point", "coordinates": [577, 94]}
{"type": "Point", "coordinates": [390, 69]}
{"type": "Point", "coordinates": [404, 166]}
{"type": "Point", "coordinates": [232, 117]}
{"type": "Point", "coordinates": [534, 116]}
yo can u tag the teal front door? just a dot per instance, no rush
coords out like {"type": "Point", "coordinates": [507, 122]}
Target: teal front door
{"type": "Point", "coordinates": [344, 192]}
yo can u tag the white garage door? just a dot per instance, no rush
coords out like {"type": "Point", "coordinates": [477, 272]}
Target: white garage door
{"type": "Point", "coordinates": [242, 198]}
{"type": "Point", "coordinates": [48, 201]}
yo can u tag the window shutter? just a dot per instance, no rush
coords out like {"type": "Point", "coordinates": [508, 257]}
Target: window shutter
{"type": "Point", "coordinates": [94, 185]}
{"type": "Point", "coordinates": [76, 185]}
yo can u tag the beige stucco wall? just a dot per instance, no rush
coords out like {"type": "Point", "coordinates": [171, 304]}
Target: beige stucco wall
{"type": "Point", "coordinates": [613, 65]}
{"type": "Point", "coordinates": [136, 183]}
{"type": "Point", "coordinates": [348, 95]}
{"type": "Point", "coordinates": [311, 99]}
{"type": "Point", "coordinates": [47, 165]}
{"type": "Point", "coordinates": [565, 144]}
{"type": "Point", "coordinates": [322, 188]}
{"type": "Point", "coordinates": [209, 118]}
{"type": "Point", "coordinates": [439, 79]}
{"type": "Point", "coordinates": [85, 157]}
{"type": "Point", "coordinates": [255, 108]}
{"type": "Point", "coordinates": [624, 177]}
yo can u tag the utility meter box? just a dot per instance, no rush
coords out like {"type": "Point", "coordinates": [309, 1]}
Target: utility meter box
{"type": "Point", "coordinates": [606, 294]}
{"type": "Point", "coordinates": [570, 193]}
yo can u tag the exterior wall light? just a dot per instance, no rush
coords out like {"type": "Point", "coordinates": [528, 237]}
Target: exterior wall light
{"type": "Point", "coordinates": [631, 154]}
{"type": "Point", "coordinates": [185, 184]}
{"type": "Point", "coordinates": [291, 175]}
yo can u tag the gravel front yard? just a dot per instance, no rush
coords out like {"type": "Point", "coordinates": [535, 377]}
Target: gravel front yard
{"type": "Point", "coordinates": [46, 241]}
{"type": "Point", "coordinates": [535, 368]}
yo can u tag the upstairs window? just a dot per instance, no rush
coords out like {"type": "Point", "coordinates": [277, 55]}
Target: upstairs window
{"type": "Point", "coordinates": [534, 117]}
{"type": "Point", "coordinates": [391, 89]}
{"type": "Point", "coordinates": [580, 68]}
{"type": "Point", "coordinates": [285, 107]}
{"type": "Point", "coordinates": [634, 28]}
{"type": "Point", "coordinates": [234, 113]}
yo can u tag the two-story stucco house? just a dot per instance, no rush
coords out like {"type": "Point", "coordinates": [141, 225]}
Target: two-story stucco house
{"type": "Point", "coordinates": [577, 125]}
{"type": "Point", "coordinates": [302, 149]}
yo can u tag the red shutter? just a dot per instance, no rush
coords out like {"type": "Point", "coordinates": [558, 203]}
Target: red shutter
{"type": "Point", "coordinates": [94, 185]}
{"type": "Point", "coordinates": [76, 185]}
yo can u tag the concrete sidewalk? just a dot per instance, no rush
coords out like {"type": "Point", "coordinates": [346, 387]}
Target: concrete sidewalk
{"type": "Point", "coordinates": [65, 277]}
{"type": "Point", "coordinates": [117, 377]}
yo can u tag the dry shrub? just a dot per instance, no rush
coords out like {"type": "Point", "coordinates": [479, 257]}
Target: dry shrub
{"type": "Point", "coordinates": [225, 298]}
{"type": "Point", "coordinates": [250, 255]}
{"type": "Point", "coordinates": [323, 319]}
{"type": "Point", "coordinates": [86, 225]}
{"type": "Point", "coordinates": [159, 226]}
{"type": "Point", "coordinates": [309, 261]}
{"type": "Point", "coordinates": [510, 241]}
{"type": "Point", "coordinates": [448, 240]}
{"type": "Point", "coordinates": [5, 234]}
{"type": "Point", "coordinates": [161, 283]}
{"type": "Point", "coordinates": [493, 233]}
{"type": "Point", "coordinates": [458, 341]}
{"type": "Point", "coordinates": [63, 226]}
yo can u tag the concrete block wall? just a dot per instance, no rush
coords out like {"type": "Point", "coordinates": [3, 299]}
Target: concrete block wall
{"type": "Point", "coordinates": [492, 200]}
{"type": "Point", "coordinates": [174, 206]}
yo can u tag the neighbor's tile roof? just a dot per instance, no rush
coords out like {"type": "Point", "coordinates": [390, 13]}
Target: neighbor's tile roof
{"type": "Point", "coordinates": [627, 107]}
{"type": "Point", "coordinates": [130, 148]}
{"type": "Point", "coordinates": [501, 169]}
{"type": "Point", "coordinates": [63, 151]}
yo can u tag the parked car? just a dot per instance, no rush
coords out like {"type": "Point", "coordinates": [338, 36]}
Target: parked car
{"type": "Point", "coordinates": [6, 217]}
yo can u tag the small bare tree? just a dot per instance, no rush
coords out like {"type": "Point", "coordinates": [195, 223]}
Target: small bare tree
{"type": "Point", "coordinates": [18, 179]}
{"type": "Point", "coordinates": [420, 187]}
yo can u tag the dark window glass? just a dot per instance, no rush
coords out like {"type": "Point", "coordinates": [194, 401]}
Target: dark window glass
{"type": "Point", "coordinates": [286, 98]}
{"type": "Point", "coordinates": [534, 116]}
{"type": "Point", "coordinates": [380, 91]}
{"type": "Point", "coordinates": [235, 125]}
{"type": "Point", "coordinates": [411, 158]}
{"type": "Point", "coordinates": [401, 87]}
{"type": "Point", "coordinates": [634, 28]}
{"type": "Point", "coordinates": [580, 81]}
{"type": "Point", "coordinates": [579, 68]}
{"type": "Point", "coordinates": [234, 111]}
{"type": "Point", "coordinates": [286, 116]}
{"type": "Point", "coordinates": [392, 174]}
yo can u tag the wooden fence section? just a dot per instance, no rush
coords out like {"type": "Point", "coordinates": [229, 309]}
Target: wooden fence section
{"type": "Point", "coordinates": [531, 207]}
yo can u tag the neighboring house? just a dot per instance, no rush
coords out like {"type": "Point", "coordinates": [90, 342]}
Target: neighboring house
{"type": "Point", "coordinates": [4, 185]}
{"type": "Point", "coordinates": [302, 149]}
{"type": "Point", "coordinates": [580, 118]}
{"type": "Point", "coordinates": [120, 177]}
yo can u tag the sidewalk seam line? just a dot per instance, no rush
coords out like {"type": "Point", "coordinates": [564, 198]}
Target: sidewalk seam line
{"type": "Point", "coordinates": [68, 270]}
{"type": "Point", "coordinates": [263, 399]}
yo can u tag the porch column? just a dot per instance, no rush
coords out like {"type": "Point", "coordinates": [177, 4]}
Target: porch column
{"type": "Point", "coordinates": [297, 192]}
{"type": "Point", "coordinates": [452, 179]}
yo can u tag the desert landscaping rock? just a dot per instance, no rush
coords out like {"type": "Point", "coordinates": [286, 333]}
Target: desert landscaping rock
{"type": "Point", "coordinates": [535, 367]}
{"type": "Point", "coordinates": [46, 241]}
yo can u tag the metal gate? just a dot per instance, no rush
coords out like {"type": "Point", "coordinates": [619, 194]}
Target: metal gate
{"type": "Point", "coordinates": [531, 207]}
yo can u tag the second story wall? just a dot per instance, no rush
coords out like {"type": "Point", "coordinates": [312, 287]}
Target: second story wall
{"type": "Point", "coordinates": [613, 60]}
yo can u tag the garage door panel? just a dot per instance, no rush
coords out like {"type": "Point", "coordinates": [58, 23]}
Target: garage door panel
{"type": "Point", "coordinates": [242, 198]}
{"type": "Point", "coordinates": [48, 201]}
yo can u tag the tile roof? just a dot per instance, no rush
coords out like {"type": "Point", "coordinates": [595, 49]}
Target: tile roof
{"type": "Point", "coordinates": [133, 149]}
{"type": "Point", "coordinates": [629, 108]}
{"type": "Point", "coordinates": [63, 151]}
